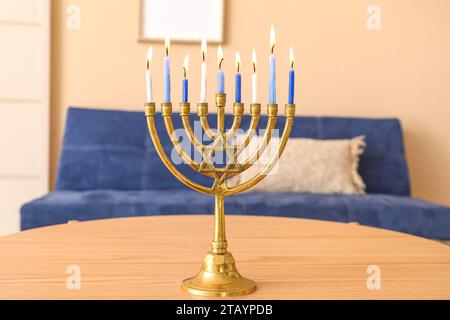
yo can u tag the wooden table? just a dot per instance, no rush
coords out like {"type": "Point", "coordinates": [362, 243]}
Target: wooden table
{"type": "Point", "coordinates": [147, 258]}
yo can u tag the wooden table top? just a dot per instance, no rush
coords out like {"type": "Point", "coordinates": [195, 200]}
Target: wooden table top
{"type": "Point", "coordinates": [147, 258]}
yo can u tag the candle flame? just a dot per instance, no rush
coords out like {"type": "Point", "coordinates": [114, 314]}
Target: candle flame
{"type": "Point", "coordinates": [204, 49]}
{"type": "Point", "coordinates": [272, 38]}
{"type": "Point", "coordinates": [254, 60]}
{"type": "Point", "coordinates": [291, 57]}
{"type": "Point", "coordinates": [220, 56]}
{"type": "Point", "coordinates": [167, 45]}
{"type": "Point", "coordinates": [149, 57]}
{"type": "Point", "coordinates": [186, 65]}
{"type": "Point", "coordinates": [238, 62]}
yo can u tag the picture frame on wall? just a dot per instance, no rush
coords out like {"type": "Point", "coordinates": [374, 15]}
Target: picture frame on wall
{"type": "Point", "coordinates": [182, 20]}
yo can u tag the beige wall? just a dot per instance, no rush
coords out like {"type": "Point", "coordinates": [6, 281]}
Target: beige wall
{"type": "Point", "coordinates": [402, 70]}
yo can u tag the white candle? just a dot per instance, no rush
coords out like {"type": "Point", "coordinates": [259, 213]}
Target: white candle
{"type": "Point", "coordinates": [254, 79]}
{"type": "Point", "coordinates": [148, 76]}
{"type": "Point", "coordinates": [203, 84]}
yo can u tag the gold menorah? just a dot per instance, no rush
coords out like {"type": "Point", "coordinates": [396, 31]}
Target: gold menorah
{"type": "Point", "coordinates": [219, 276]}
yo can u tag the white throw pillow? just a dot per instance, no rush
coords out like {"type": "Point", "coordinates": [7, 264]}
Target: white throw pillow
{"type": "Point", "coordinates": [310, 166]}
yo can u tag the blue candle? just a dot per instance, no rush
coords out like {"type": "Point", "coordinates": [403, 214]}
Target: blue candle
{"type": "Point", "coordinates": [185, 98]}
{"type": "Point", "coordinates": [238, 88]}
{"type": "Point", "coordinates": [291, 77]}
{"type": "Point", "coordinates": [291, 86]}
{"type": "Point", "coordinates": [220, 74]}
{"type": "Point", "coordinates": [185, 90]}
{"type": "Point", "coordinates": [220, 82]}
{"type": "Point", "coordinates": [238, 81]}
{"type": "Point", "coordinates": [272, 81]}
{"type": "Point", "coordinates": [167, 80]}
{"type": "Point", "coordinates": [272, 71]}
{"type": "Point", "coordinates": [167, 98]}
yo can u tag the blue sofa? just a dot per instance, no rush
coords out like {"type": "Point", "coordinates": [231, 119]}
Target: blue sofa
{"type": "Point", "coordinates": [110, 169]}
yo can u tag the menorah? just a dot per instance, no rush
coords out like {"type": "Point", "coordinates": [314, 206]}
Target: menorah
{"type": "Point", "coordinates": [219, 276]}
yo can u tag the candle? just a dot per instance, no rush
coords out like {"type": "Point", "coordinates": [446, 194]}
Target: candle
{"type": "Point", "coordinates": [166, 63]}
{"type": "Point", "coordinates": [272, 71]}
{"type": "Point", "coordinates": [203, 84]}
{"type": "Point", "coordinates": [291, 77]}
{"type": "Point", "coordinates": [185, 80]}
{"type": "Point", "coordinates": [148, 76]}
{"type": "Point", "coordinates": [254, 79]}
{"type": "Point", "coordinates": [220, 74]}
{"type": "Point", "coordinates": [238, 78]}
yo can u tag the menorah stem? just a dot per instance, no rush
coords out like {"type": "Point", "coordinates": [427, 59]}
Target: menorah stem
{"type": "Point", "coordinates": [221, 120]}
{"type": "Point", "coordinates": [220, 243]}
{"type": "Point", "coordinates": [221, 100]}
{"type": "Point", "coordinates": [219, 276]}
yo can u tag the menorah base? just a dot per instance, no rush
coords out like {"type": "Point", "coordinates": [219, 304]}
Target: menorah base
{"type": "Point", "coordinates": [219, 277]}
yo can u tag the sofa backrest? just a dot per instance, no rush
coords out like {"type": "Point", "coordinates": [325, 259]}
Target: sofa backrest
{"type": "Point", "coordinates": [105, 149]}
{"type": "Point", "coordinates": [383, 164]}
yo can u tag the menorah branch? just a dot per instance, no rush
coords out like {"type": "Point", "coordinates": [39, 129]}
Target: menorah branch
{"type": "Point", "coordinates": [202, 110]}
{"type": "Point", "coordinates": [199, 146]}
{"type": "Point", "coordinates": [255, 112]}
{"type": "Point", "coordinates": [238, 111]}
{"type": "Point", "coordinates": [272, 111]}
{"type": "Point", "coordinates": [290, 114]}
{"type": "Point", "coordinates": [167, 115]}
{"type": "Point", "coordinates": [150, 111]}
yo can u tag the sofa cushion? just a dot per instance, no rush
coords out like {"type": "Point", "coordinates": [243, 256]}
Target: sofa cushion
{"type": "Point", "coordinates": [402, 214]}
{"type": "Point", "coordinates": [106, 149]}
{"type": "Point", "coordinates": [390, 212]}
{"type": "Point", "coordinates": [308, 166]}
